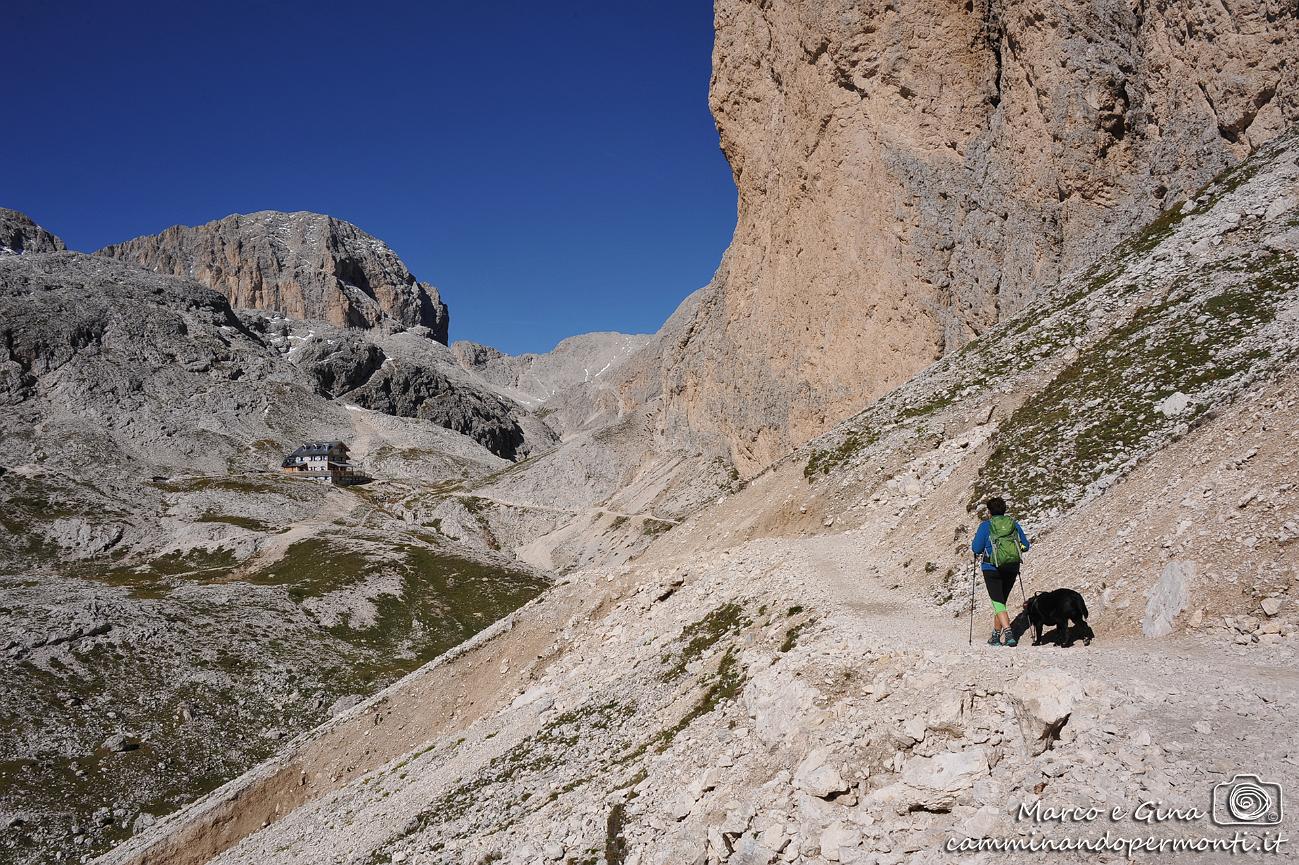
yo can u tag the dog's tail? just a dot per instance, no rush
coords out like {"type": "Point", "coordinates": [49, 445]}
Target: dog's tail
{"type": "Point", "coordinates": [1083, 603]}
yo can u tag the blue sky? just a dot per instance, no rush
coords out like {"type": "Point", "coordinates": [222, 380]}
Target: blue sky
{"type": "Point", "coordinates": [552, 168]}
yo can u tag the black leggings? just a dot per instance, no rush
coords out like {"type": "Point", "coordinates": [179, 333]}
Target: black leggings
{"type": "Point", "coordinates": [1000, 582]}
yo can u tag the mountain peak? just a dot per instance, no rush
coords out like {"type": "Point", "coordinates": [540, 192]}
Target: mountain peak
{"type": "Point", "coordinates": [20, 234]}
{"type": "Point", "coordinates": [306, 265]}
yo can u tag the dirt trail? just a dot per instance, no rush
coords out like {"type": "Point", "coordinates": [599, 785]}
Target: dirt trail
{"type": "Point", "coordinates": [565, 511]}
{"type": "Point", "coordinates": [1202, 680]}
{"type": "Point", "coordinates": [366, 432]}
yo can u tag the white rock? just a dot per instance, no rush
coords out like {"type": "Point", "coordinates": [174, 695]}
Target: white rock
{"type": "Point", "coordinates": [1281, 204]}
{"type": "Point", "coordinates": [537, 696]}
{"type": "Point", "coordinates": [680, 806]}
{"type": "Point", "coordinates": [1167, 598]}
{"type": "Point", "coordinates": [1173, 405]}
{"type": "Point", "coordinates": [773, 837]}
{"type": "Point", "coordinates": [737, 819]}
{"type": "Point", "coordinates": [1042, 701]}
{"type": "Point", "coordinates": [1271, 606]}
{"type": "Point", "coordinates": [815, 775]}
{"type": "Point", "coordinates": [703, 782]}
{"type": "Point", "coordinates": [751, 851]}
{"type": "Point", "coordinates": [837, 836]}
{"type": "Point", "coordinates": [782, 707]}
{"type": "Point", "coordinates": [948, 772]}
{"type": "Point", "coordinates": [914, 728]}
{"type": "Point", "coordinates": [986, 822]}
{"type": "Point", "coordinates": [717, 844]}
{"type": "Point", "coordinates": [946, 714]}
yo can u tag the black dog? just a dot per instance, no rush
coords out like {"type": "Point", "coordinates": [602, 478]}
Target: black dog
{"type": "Point", "coordinates": [1056, 608]}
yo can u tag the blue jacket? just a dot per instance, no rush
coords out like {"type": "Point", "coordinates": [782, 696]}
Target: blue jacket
{"type": "Point", "coordinates": [982, 543]}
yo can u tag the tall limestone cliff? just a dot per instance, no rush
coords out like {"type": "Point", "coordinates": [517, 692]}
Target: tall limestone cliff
{"type": "Point", "coordinates": [910, 173]}
{"type": "Point", "coordinates": [305, 265]}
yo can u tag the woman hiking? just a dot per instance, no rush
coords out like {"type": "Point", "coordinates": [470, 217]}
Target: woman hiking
{"type": "Point", "coordinates": [1000, 543]}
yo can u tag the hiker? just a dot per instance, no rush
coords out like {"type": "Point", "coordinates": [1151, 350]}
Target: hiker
{"type": "Point", "coordinates": [1000, 544]}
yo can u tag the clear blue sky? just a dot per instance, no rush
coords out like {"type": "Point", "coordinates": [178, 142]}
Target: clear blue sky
{"type": "Point", "coordinates": [551, 167]}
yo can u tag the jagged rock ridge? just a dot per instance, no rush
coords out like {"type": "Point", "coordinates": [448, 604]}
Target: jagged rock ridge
{"type": "Point", "coordinates": [19, 234]}
{"type": "Point", "coordinates": [305, 265]}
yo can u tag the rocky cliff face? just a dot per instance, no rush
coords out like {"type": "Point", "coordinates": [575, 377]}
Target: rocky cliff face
{"type": "Point", "coordinates": [305, 265]}
{"type": "Point", "coordinates": [911, 173]}
{"type": "Point", "coordinates": [19, 234]}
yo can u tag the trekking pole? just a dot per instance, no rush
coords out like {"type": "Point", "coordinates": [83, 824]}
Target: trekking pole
{"type": "Point", "coordinates": [973, 576]}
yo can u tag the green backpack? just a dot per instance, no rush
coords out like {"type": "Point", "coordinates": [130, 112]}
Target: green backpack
{"type": "Point", "coordinates": [1005, 541]}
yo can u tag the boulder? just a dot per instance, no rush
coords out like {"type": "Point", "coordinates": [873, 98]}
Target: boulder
{"type": "Point", "coordinates": [835, 838]}
{"type": "Point", "coordinates": [1167, 598]}
{"type": "Point", "coordinates": [936, 783]}
{"type": "Point", "coordinates": [817, 777]}
{"type": "Point", "coordinates": [539, 697]}
{"type": "Point", "coordinates": [1173, 405]}
{"type": "Point", "coordinates": [987, 822]}
{"type": "Point", "coordinates": [120, 743]}
{"type": "Point", "coordinates": [751, 851]}
{"type": "Point", "coordinates": [1043, 700]}
{"type": "Point", "coordinates": [947, 713]}
{"type": "Point", "coordinates": [782, 707]}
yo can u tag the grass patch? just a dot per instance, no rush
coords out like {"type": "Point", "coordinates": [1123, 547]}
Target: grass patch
{"type": "Point", "coordinates": [652, 527]}
{"type": "Point", "coordinates": [444, 601]}
{"type": "Point", "coordinates": [157, 577]}
{"type": "Point", "coordinates": [315, 567]}
{"type": "Point", "coordinates": [702, 635]}
{"type": "Point", "coordinates": [226, 483]}
{"type": "Point", "coordinates": [248, 523]}
{"type": "Point", "coordinates": [792, 635]}
{"type": "Point", "coordinates": [1099, 413]}
{"type": "Point", "coordinates": [615, 845]}
{"type": "Point", "coordinates": [725, 684]}
{"type": "Point", "coordinates": [823, 461]}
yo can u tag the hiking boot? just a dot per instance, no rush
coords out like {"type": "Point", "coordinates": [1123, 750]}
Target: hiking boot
{"type": "Point", "coordinates": [1008, 638]}
{"type": "Point", "coordinates": [995, 639]}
